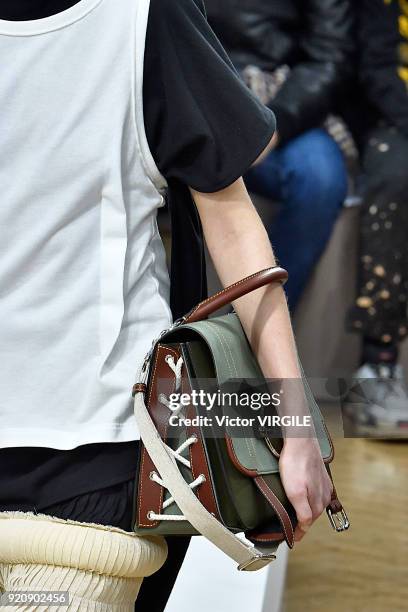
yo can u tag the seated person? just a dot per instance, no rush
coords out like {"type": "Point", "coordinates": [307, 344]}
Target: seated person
{"type": "Point", "coordinates": [379, 313]}
{"type": "Point", "coordinates": [296, 57]}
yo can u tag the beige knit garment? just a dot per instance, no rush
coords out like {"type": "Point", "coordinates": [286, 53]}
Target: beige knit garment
{"type": "Point", "coordinates": [101, 567]}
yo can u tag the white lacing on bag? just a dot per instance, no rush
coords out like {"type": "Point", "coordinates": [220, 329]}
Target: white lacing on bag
{"type": "Point", "coordinates": [175, 408]}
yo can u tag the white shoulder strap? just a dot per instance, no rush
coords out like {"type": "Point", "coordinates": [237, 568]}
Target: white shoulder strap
{"type": "Point", "coordinates": [247, 556]}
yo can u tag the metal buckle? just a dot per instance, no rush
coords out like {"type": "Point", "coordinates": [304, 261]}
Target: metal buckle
{"type": "Point", "coordinates": [247, 564]}
{"type": "Point", "coordinates": [144, 370]}
{"type": "Point", "coordinates": [338, 520]}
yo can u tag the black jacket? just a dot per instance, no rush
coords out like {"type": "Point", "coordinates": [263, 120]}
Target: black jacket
{"type": "Point", "coordinates": [313, 37]}
{"type": "Point", "coordinates": [383, 37]}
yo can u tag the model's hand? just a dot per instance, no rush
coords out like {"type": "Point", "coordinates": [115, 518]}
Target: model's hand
{"type": "Point", "coordinates": [305, 480]}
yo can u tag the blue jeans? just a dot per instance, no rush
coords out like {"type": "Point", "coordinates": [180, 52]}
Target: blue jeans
{"type": "Point", "coordinates": [308, 177]}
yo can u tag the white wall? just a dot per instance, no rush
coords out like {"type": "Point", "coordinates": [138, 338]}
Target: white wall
{"type": "Point", "coordinates": [209, 581]}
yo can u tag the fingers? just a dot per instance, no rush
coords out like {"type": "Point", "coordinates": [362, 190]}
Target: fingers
{"type": "Point", "coordinates": [306, 482]}
{"type": "Point", "coordinates": [319, 493]}
{"type": "Point", "coordinates": [328, 494]}
{"type": "Point", "coordinates": [316, 501]}
{"type": "Point", "coordinates": [304, 513]}
{"type": "Point", "coordinates": [299, 534]}
{"type": "Point", "coordinates": [319, 498]}
{"type": "Point", "coordinates": [309, 505]}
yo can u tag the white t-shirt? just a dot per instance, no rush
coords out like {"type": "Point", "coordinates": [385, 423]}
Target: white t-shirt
{"type": "Point", "coordinates": [83, 280]}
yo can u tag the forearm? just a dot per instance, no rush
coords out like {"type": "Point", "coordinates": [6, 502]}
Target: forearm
{"type": "Point", "coordinates": [239, 246]}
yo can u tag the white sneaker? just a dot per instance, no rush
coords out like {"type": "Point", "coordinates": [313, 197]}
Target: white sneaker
{"type": "Point", "coordinates": [377, 403]}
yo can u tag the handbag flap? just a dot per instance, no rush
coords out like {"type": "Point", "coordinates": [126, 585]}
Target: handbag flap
{"type": "Point", "coordinates": [233, 359]}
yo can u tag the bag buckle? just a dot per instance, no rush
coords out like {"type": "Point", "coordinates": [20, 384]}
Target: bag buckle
{"type": "Point", "coordinates": [338, 520]}
{"type": "Point", "coordinates": [246, 566]}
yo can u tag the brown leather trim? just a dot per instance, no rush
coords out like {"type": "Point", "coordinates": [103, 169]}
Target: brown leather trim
{"type": "Point", "coordinates": [235, 291]}
{"type": "Point", "coordinates": [163, 374]}
{"type": "Point", "coordinates": [335, 504]}
{"type": "Point", "coordinates": [330, 458]}
{"type": "Point", "coordinates": [139, 388]}
{"type": "Point", "coordinates": [280, 510]}
{"type": "Point", "coordinates": [150, 494]}
{"type": "Point", "coordinates": [232, 455]}
{"type": "Point", "coordinates": [276, 536]}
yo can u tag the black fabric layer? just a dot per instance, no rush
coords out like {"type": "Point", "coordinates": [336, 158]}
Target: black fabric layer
{"type": "Point", "coordinates": [33, 478]}
{"type": "Point", "coordinates": [204, 129]}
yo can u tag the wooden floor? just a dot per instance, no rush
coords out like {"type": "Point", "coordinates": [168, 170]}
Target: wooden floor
{"type": "Point", "coordinates": [366, 568]}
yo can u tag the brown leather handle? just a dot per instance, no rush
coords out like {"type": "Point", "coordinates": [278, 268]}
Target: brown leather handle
{"type": "Point", "coordinates": [235, 291]}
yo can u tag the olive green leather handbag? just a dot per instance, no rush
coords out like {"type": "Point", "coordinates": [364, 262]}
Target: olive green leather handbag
{"type": "Point", "coordinates": [226, 487]}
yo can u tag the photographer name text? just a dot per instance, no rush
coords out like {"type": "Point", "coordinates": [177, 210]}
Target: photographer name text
{"type": "Point", "coordinates": [269, 421]}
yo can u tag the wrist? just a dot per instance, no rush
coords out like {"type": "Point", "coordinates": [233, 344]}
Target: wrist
{"type": "Point", "coordinates": [300, 444]}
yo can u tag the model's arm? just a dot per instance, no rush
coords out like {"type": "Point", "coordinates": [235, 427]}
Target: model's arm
{"type": "Point", "coordinates": [239, 246]}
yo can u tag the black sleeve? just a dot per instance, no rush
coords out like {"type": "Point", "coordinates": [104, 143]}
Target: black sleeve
{"type": "Point", "coordinates": [383, 64]}
{"type": "Point", "coordinates": [203, 125]}
{"type": "Point", "coordinates": [325, 62]}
